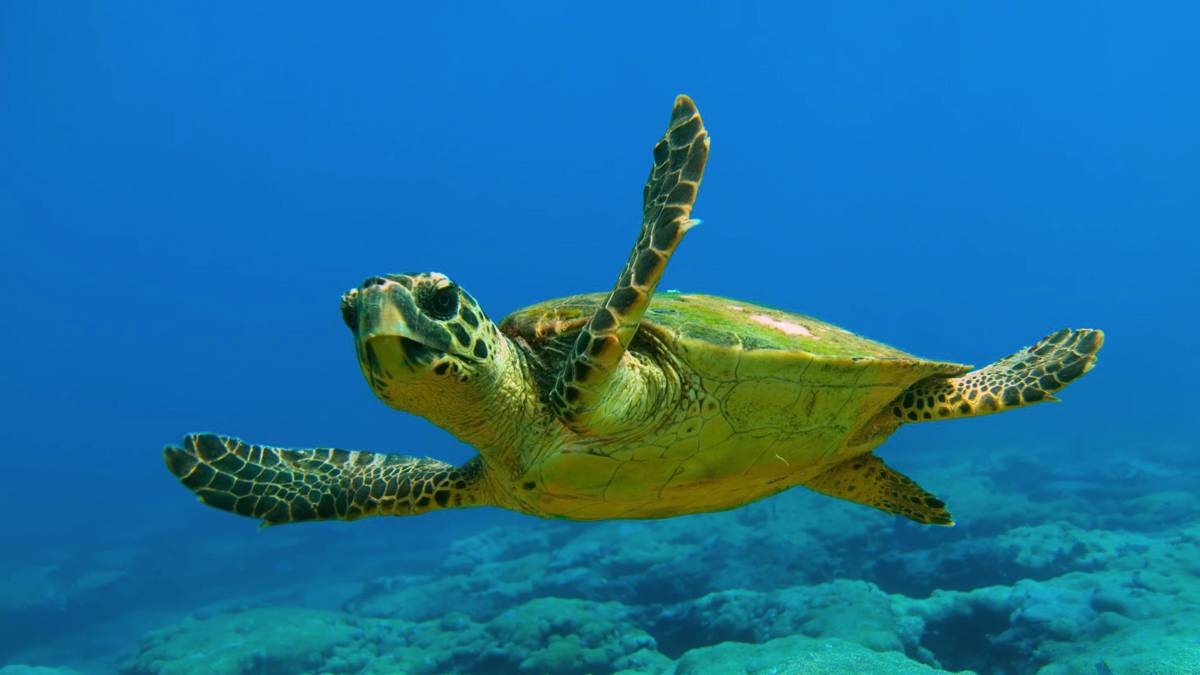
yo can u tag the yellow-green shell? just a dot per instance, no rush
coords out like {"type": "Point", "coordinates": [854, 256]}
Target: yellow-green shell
{"type": "Point", "coordinates": [722, 324]}
{"type": "Point", "coordinates": [768, 399]}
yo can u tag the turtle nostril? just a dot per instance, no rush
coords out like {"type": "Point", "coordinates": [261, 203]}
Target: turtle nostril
{"type": "Point", "coordinates": [374, 281]}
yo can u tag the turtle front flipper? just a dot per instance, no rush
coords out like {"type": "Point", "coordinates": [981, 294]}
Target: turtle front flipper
{"type": "Point", "coordinates": [290, 486]}
{"type": "Point", "coordinates": [1030, 376]}
{"type": "Point", "coordinates": [667, 199]}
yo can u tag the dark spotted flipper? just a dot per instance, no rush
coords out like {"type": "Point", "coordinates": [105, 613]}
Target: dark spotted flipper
{"type": "Point", "coordinates": [289, 486]}
{"type": "Point", "coordinates": [1029, 376]}
{"type": "Point", "coordinates": [867, 480]}
{"type": "Point", "coordinates": [667, 200]}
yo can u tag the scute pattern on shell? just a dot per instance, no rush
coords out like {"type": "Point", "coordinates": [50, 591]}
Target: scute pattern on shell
{"type": "Point", "coordinates": [710, 321]}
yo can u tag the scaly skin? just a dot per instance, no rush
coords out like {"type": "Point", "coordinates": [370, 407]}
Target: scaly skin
{"type": "Point", "coordinates": [287, 486]}
{"type": "Point", "coordinates": [594, 368]}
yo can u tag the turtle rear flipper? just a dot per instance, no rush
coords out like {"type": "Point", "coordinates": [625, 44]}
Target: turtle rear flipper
{"type": "Point", "coordinates": [289, 486]}
{"type": "Point", "coordinates": [667, 200]}
{"type": "Point", "coordinates": [867, 480]}
{"type": "Point", "coordinates": [1030, 376]}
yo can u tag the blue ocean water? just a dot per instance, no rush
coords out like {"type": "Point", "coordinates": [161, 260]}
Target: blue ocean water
{"type": "Point", "coordinates": [186, 190]}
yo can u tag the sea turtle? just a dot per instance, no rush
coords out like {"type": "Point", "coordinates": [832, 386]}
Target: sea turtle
{"type": "Point", "coordinates": [626, 404]}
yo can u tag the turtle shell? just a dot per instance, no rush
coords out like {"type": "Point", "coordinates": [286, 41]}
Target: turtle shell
{"type": "Point", "coordinates": [768, 397]}
{"type": "Point", "coordinates": [775, 354]}
{"type": "Point", "coordinates": [708, 329]}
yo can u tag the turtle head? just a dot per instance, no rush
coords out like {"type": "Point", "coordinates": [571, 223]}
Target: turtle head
{"type": "Point", "coordinates": [419, 338]}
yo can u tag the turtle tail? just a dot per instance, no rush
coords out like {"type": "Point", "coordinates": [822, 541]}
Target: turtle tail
{"type": "Point", "coordinates": [290, 486]}
{"type": "Point", "coordinates": [1030, 376]}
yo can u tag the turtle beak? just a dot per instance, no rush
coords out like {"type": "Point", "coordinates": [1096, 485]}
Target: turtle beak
{"type": "Point", "coordinates": [387, 323]}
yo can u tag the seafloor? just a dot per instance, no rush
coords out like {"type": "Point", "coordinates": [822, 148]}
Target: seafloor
{"type": "Point", "coordinates": [1060, 564]}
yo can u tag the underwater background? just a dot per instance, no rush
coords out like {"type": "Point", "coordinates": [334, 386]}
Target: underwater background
{"type": "Point", "coordinates": [186, 189]}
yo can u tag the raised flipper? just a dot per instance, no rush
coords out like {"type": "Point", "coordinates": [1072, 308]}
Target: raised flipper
{"type": "Point", "coordinates": [867, 480]}
{"type": "Point", "coordinates": [1029, 376]}
{"type": "Point", "coordinates": [290, 486]}
{"type": "Point", "coordinates": [667, 200]}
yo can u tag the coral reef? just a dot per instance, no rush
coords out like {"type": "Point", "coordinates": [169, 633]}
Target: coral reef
{"type": "Point", "coordinates": [273, 640]}
{"type": "Point", "coordinates": [18, 669]}
{"type": "Point", "coordinates": [797, 655]}
{"type": "Point", "coordinates": [1045, 574]}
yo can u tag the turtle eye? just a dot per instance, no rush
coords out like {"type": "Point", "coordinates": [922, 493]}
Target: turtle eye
{"type": "Point", "coordinates": [443, 303]}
